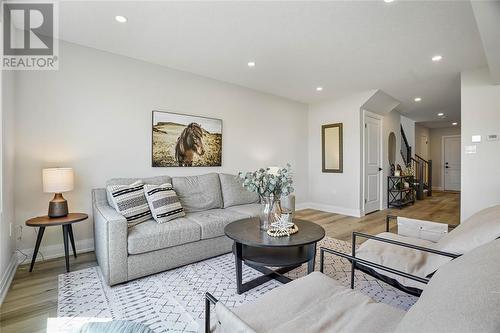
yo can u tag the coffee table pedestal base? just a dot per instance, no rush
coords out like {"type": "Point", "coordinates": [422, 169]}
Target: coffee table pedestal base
{"type": "Point", "coordinates": [287, 258]}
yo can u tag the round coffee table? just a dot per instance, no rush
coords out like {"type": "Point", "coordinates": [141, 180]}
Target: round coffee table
{"type": "Point", "coordinates": [258, 250]}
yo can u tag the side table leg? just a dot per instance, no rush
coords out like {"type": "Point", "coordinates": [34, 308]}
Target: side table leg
{"type": "Point", "coordinates": [312, 262]}
{"type": "Point", "coordinates": [72, 239]}
{"type": "Point", "coordinates": [41, 230]}
{"type": "Point", "coordinates": [239, 267]}
{"type": "Point", "coordinates": [66, 250]}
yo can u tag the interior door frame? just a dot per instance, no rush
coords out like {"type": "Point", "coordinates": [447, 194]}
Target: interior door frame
{"type": "Point", "coordinates": [363, 161]}
{"type": "Point", "coordinates": [443, 139]}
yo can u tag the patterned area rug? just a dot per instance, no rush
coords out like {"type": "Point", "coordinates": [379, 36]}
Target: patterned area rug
{"type": "Point", "coordinates": [173, 301]}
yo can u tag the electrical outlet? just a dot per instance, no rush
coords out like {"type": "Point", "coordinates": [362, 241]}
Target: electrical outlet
{"type": "Point", "coordinates": [20, 236]}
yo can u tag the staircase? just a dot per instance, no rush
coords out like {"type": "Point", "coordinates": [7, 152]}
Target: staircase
{"type": "Point", "coordinates": [421, 167]}
{"type": "Point", "coordinates": [423, 176]}
{"type": "Point", "coordinates": [405, 148]}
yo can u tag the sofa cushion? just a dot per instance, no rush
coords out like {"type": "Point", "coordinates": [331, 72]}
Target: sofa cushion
{"type": "Point", "coordinates": [233, 192]}
{"type": "Point", "coordinates": [249, 210]}
{"type": "Point", "coordinates": [394, 256]}
{"type": "Point", "coordinates": [198, 193]}
{"type": "Point", "coordinates": [163, 202]}
{"type": "Point", "coordinates": [212, 222]}
{"type": "Point", "coordinates": [477, 230]}
{"type": "Point", "coordinates": [228, 322]}
{"type": "Point", "coordinates": [157, 180]}
{"type": "Point", "coordinates": [463, 296]}
{"type": "Point", "coordinates": [130, 201]}
{"type": "Point", "coordinates": [151, 236]}
{"type": "Point", "coordinates": [316, 303]}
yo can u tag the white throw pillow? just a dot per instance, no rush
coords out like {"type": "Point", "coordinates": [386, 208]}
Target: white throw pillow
{"type": "Point", "coordinates": [479, 229]}
{"type": "Point", "coordinates": [129, 201]}
{"type": "Point", "coordinates": [163, 202]}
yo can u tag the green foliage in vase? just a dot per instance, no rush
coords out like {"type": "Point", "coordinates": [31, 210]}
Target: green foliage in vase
{"type": "Point", "coordinates": [265, 183]}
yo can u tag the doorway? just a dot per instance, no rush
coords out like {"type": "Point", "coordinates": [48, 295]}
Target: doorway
{"type": "Point", "coordinates": [451, 162]}
{"type": "Point", "coordinates": [372, 186]}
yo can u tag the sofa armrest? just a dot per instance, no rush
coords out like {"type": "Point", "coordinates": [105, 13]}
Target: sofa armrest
{"type": "Point", "coordinates": [110, 239]}
{"type": "Point", "coordinates": [227, 320]}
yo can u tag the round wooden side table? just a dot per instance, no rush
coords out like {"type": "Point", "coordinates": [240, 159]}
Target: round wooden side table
{"type": "Point", "coordinates": [42, 222]}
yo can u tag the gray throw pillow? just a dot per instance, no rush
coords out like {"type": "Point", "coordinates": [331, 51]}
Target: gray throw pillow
{"type": "Point", "coordinates": [130, 201]}
{"type": "Point", "coordinates": [163, 202]}
{"type": "Point", "coordinates": [156, 180]}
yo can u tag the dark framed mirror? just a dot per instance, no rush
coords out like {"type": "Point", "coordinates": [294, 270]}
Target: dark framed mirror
{"type": "Point", "coordinates": [331, 144]}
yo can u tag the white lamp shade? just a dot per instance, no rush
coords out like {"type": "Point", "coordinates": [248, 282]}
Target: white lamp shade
{"type": "Point", "coordinates": [57, 180]}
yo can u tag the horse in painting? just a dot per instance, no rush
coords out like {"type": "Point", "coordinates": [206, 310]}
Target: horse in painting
{"type": "Point", "coordinates": [188, 144]}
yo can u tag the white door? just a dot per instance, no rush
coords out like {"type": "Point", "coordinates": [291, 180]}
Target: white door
{"type": "Point", "coordinates": [451, 147]}
{"type": "Point", "coordinates": [372, 163]}
{"type": "Point", "coordinates": [424, 147]}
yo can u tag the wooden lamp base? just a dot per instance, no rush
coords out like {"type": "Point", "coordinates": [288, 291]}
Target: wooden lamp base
{"type": "Point", "coordinates": [58, 206]}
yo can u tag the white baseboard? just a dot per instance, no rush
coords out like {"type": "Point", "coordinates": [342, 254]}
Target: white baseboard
{"type": "Point", "coordinates": [57, 250]}
{"type": "Point", "coordinates": [301, 206]}
{"type": "Point", "coordinates": [8, 276]}
{"type": "Point", "coordinates": [330, 209]}
{"type": "Point", "coordinates": [437, 188]}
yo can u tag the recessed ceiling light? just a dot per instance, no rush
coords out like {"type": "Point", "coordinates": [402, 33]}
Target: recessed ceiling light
{"type": "Point", "coordinates": [454, 124]}
{"type": "Point", "coordinates": [251, 64]}
{"type": "Point", "coordinates": [319, 88]}
{"type": "Point", "coordinates": [417, 99]}
{"type": "Point", "coordinates": [437, 58]}
{"type": "Point", "coordinates": [440, 114]}
{"type": "Point", "coordinates": [121, 19]}
{"type": "Point", "coordinates": [388, 1]}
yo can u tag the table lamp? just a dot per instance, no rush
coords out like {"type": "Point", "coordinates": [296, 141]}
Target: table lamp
{"type": "Point", "coordinates": [57, 181]}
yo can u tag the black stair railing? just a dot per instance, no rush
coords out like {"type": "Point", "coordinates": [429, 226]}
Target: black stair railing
{"type": "Point", "coordinates": [405, 148]}
{"type": "Point", "coordinates": [423, 176]}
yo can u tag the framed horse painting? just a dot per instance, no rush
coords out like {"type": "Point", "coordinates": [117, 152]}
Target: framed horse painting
{"type": "Point", "coordinates": [181, 140]}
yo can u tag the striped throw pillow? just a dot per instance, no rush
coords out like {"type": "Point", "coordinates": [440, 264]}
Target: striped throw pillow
{"type": "Point", "coordinates": [163, 202]}
{"type": "Point", "coordinates": [129, 200]}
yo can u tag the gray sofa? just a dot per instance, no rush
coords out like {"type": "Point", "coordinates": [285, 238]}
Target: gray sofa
{"type": "Point", "coordinates": [462, 296]}
{"type": "Point", "coordinates": [210, 201]}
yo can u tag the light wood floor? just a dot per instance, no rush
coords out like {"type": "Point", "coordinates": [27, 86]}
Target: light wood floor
{"type": "Point", "coordinates": [441, 207]}
{"type": "Point", "coordinates": [32, 297]}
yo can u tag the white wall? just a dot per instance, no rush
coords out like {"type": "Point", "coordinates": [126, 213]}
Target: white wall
{"type": "Point", "coordinates": [7, 242]}
{"type": "Point", "coordinates": [337, 192]}
{"type": "Point", "coordinates": [436, 137]}
{"type": "Point", "coordinates": [94, 115]}
{"type": "Point", "coordinates": [421, 149]}
{"type": "Point", "coordinates": [480, 116]}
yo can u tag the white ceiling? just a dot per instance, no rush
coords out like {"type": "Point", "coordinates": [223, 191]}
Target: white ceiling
{"type": "Point", "coordinates": [341, 46]}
